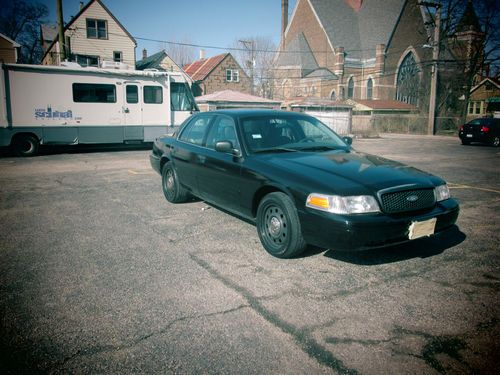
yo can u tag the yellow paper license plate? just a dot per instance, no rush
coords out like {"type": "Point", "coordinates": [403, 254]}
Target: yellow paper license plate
{"type": "Point", "coordinates": [422, 228]}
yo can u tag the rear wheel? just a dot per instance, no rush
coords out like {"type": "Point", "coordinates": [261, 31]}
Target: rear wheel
{"type": "Point", "coordinates": [171, 186]}
{"type": "Point", "coordinates": [278, 226]}
{"type": "Point", "coordinates": [465, 142]}
{"type": "Point", "coordinates": [25, 145]}
{"type": "Point", "coordinates": [496, 141]}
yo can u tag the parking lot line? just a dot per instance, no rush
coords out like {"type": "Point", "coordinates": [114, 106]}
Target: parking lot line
{"type": "Point", "coordinates": [462, 186]}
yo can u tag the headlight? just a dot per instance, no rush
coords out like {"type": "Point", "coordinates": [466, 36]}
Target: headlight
{"type": "Point", "coordinates": [356, 204]}
{"type": "Point", "coordinates": [442, 193]}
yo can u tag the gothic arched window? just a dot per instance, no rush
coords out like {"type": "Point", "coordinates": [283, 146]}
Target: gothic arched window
{"type": "Point", "coordinates": [333, 96]}
{"type": "Point", "coordinates": [408, 81]}
{"type": "Point", "coordinates": [369, 89]}
{"type": "Point", "coordinates": [350, 88]}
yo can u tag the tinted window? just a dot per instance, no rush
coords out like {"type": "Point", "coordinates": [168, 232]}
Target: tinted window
{"type": "Point", "coordinates": [223, 130]}
{"type": "Point", "coordinates": [132, 94]}
{"type": "Point", "coordinates": [153, 95]}
{"type": "Point", "coordinates": [94, 93]}
{"type": "Point", "coordinates": [195, 131]}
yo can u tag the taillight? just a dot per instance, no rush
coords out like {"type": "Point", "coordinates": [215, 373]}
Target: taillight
{"type": "Point", "coordinates": [485, 129]}
{"type": "Point", "coordinates": [462, 128]}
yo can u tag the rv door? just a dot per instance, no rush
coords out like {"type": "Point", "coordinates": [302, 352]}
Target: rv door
{"type": "Point", "coordinates": [132, 112]}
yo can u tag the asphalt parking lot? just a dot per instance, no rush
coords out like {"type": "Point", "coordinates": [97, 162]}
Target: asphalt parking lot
{"type": "Point", "coordinates": [100, 274]}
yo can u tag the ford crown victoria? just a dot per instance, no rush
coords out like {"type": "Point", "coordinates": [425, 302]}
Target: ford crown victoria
{"type": "Point", "coordinates": [299, 182]}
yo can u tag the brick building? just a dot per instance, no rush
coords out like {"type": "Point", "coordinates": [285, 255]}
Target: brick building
{"type": "Point", "coordinates": [217, 73]}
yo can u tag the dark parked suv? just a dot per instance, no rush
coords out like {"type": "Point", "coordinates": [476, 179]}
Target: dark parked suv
{"type": "Point", "coordinates": [484, 130]}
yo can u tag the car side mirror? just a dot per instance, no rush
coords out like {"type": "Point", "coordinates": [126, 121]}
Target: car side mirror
{"type": "Point", "coordinates": [347, 140]}
{"type": "Point", "coordinates": [226, 147]}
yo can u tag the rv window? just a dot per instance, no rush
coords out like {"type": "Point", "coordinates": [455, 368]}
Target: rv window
{"type": "Point", "coordinates": [153, 95]}
{"type": "Point", "coordinates": [132, 94]}
{"type": "Point", "coordinates": [181, 98]}
{"type": "Point", "coordinates": [94, 93]}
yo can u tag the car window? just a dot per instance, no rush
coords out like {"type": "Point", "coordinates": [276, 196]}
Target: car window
{"type": "Point", "coordinates": [194, 132]}
{"type": "Point", "coordinates": [223, 130]}
{"type": "Point", "coordinates": [475, 122]}
{"type": "Point", "coordinates": [287, 132]}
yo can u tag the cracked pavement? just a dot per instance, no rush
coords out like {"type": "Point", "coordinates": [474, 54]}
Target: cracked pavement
{"type": "Point", "coordinates": [99, 274]}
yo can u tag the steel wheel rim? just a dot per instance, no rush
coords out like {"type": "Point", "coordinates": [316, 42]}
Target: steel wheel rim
{"type": "Point", "coordinates": [276, 226]}
{"type": "Point", "coordinates": [170, 181]}
{"type": "Point", "coordinates": [26, 146]}
{"type": "Point", "coordinates": [496, 141]}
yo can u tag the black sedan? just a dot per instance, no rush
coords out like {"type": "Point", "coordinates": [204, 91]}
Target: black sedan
{"type": "Point", "coordinates": [482, 130]}
{"type": "Point", "coordinates": [299, 182]}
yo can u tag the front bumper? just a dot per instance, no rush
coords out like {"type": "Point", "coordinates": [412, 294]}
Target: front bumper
{"type": "Point", "coordinates": [362, 232]}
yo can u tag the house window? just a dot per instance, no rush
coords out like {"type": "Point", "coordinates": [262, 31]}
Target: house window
{"type": "Point", "coordinates": [471, 108]}
{"type": "Point", "coordinates": [350, 88]}
{"type": "Point", "coordinates": [153, 95]}
{"type": "Point", "coordinates": [94, 93]}
{"type": "Point", "coordinates": [117, 56]}
{"type": "Point", "coordinates": [97, 29]}
{"type": "Point", "coordinates": [408, 80]}
{"type": "Point", "coordinates": [478, 108]}
{"type": "Point", "coordinates": [369, 89]}
{"type": "Point", "coordinates": [87, 60]}
{"type": "Point", "coordinates": [232, 75]}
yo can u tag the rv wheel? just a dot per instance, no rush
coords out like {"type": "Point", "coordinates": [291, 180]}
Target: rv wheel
{"type": "Point", "coordinates": [26, 145]}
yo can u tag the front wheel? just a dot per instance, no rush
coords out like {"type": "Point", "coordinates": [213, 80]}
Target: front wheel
{"type": "Point", "coordinates": [171, 186]}
{"type": "Point", "coordinates": [278, 226]}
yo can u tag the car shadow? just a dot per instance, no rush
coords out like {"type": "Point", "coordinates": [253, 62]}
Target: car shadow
{"type": "Point", "coordinates": [421, 248]}
{"type": "Point", "coordinates": [81, 149]}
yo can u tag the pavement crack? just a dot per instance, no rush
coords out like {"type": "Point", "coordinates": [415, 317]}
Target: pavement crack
{"type": "Point", "coordinates": [310, 346]}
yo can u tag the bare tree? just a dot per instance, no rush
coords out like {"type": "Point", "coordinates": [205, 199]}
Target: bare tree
{"type": "Point", "coordinates": [474, 43]}
{"type": "Point", "coordinates": [182, 52]}
{"type": "Point", "coordinates": [20, 21]}
{"type": "Point", "coordinates": [255, 55]}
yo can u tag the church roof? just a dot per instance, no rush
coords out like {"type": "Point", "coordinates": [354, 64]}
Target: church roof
{"type": "Point", "coordinates": [298, 53]}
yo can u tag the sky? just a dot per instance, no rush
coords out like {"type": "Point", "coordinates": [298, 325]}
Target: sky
{"type": "Point", "coordinates": [216, 23]}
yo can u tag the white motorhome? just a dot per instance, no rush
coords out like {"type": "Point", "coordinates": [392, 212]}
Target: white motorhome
{"type": "Point", "coordinates": [71, 105]}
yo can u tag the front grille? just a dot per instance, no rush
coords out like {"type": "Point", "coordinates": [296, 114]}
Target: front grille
{"type": "Point", "coordinates": [410, 200]}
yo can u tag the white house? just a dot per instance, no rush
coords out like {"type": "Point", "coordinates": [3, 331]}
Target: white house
{"type": "Point", "coordinates": [93, 37]}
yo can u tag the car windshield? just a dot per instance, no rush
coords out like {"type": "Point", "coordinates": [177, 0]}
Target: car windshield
{"type": "Point", "coordinates": [287, 133]}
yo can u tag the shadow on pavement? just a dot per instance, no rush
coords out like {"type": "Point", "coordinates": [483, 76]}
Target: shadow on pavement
{"type": "Point", "coordinates": [421, 248]}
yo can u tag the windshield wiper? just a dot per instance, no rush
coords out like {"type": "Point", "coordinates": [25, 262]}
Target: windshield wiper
{"type": "Point", "coordinates": [274, 149]}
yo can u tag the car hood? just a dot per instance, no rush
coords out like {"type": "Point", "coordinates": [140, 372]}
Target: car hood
{"type": "Point", "coordinates": [348, 172]}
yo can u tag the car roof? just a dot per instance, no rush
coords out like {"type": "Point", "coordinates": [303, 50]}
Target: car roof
{"type": "Point", "coordinates": [239, 113]}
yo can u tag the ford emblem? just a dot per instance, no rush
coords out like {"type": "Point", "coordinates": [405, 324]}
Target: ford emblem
{"type": "Point", "coordinates": [412, 198]}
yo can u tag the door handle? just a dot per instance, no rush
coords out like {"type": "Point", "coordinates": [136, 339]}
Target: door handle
{"type": "Point", "coordinates": [126, 110]}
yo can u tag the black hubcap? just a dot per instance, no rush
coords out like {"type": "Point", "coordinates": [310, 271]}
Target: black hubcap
{"type": "Point", "coordinates": [275, 228]}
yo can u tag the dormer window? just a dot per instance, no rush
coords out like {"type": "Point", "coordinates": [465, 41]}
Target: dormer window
{"type": "Point", "coordinates": [97, 29]}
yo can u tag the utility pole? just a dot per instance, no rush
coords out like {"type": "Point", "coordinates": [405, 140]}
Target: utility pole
{"type": "Point", "coordinates": [431, 125]}
{"type": "Point", "coordinates": [252, 60]}
{"type": "Point", "coordinates": [60, 28]}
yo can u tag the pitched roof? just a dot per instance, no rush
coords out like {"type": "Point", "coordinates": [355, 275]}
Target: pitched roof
{"type": "Point", "coordinates": [73, 19]}
{"type": "Point", "coordinates": [358, 30]}
{"type": "Point", "coordinates": [14, 44]}
{"type": "Point", "coordinates": [151, 62]}
{"type": "Point", "coordinates": [200, 69]}
{"type": "Point", "coordinates": [298, 53]}
{"type": "Point", "coordinates": [233, 96]}
{"type": "Point", "coordinates": [492, 80]}
{"type": "Point", "coordinates": [469, 21]}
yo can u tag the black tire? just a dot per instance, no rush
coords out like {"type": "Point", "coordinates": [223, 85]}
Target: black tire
{"type": "Point", "coordinates": [26, 145]}
{"type": "Point", "coordinates": [278, 226]}
{"type": "Point", "coordinates": [465, 143]}
{"type": "Point", "coordinates": [496, 141]}
{"type": "Point", "coordinates": [171, 186]}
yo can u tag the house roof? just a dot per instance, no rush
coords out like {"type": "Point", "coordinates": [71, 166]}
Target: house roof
{"type": "Point", "coordinates": [233, 96]}
{"type": "Point", "coordinates": [200, 69]}
{"type": "Point", "coordinates": [73, 19]}
{"type": "Point", "coordinates": [358, 30]}
{"type": "Point", "coordinates": [493, 81]}
{"type": "Point", "coordinates": [322, 73]}
{"type": "Point", "coordinates": [313, 102]}
{"type": "Point", "coordinates": [152, 62]}
{"type": "Point", "coordinates": [381, 105]}
{"type": "Point", "coordinates": [298, 53]}
{"type": "Point", "coordinates": [14, 44]}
